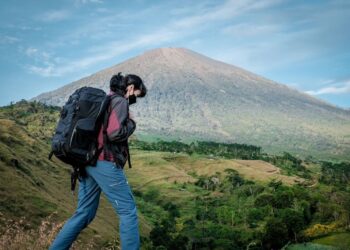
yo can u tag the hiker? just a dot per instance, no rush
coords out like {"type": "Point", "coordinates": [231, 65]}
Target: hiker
{"type": "Point", "coordinates": [108, 175]}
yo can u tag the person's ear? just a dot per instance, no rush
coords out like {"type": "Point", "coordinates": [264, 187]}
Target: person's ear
{"type": "Point", "coordinates": [131, 89]}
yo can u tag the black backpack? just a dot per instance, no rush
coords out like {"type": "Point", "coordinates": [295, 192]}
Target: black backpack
{"type": "Point", "coordinates": [75, 140]}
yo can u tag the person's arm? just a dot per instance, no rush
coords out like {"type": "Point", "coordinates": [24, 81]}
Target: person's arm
{"type": "Point", "coordinates": [120, 126]}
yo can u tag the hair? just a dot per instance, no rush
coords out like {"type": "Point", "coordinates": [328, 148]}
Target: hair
{"type": "Point", "coordinates": [117, 84]}
{"type": "Point", "coordinates": [138, 83]}
{"type": "Point", "coordinates": [120, 83]}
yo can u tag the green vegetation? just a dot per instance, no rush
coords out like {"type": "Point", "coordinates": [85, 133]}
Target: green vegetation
{"type": "Point", "coordinates": [37, 118]}
{"type": "Point", "coordinates": [341, 240]}
{"type": "Point", "coordinates": [202, 195]}
{"type": "Point", "coordinates": [337, 174]}
{"type": "Point", "coordinates": [309, 246]}
{"type": "Point", "coordinates": [229, 212]}
{"type": "Point", "coordinates": [237, 151]}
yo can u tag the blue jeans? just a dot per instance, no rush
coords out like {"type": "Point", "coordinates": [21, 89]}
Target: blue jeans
{"type": "Point", "coordinates": [112, 181]}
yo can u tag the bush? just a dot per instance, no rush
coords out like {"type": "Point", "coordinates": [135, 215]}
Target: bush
{"type": "Point", "coordinates": [264, 200]}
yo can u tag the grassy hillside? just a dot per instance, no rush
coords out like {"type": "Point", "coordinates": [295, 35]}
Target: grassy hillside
{"type": "Point", "coordinates": [202, 195]}
{"type": "Point", "coordinates": [33, 187]}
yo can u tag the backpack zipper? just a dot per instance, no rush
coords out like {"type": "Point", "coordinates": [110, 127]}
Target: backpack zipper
{"type": "Point", "coordinates": [73, 133]}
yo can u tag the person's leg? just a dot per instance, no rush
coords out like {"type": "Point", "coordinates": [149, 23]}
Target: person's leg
{"type": "Point", "coordinates": [88, 200]}
{"type": "Point", "coordinates": [114, 184]}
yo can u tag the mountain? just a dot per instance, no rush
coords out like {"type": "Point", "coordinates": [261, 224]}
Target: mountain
{"type": "Point", "coordinates": [194, 97]}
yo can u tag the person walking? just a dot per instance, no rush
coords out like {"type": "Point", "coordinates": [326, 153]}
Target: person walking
{"type": "Point", "coordinates": [108, 175]}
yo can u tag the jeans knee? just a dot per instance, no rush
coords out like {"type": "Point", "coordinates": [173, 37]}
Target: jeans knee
{"type": "Point", "coordinates": [90, 218]}
{"type": "Point", "coordinates": [85, 216]}
{"type": "Point", "coordinates": [128, 213]}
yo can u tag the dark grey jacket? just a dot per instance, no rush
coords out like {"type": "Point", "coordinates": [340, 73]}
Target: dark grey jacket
{"type": "Point", "coordinates": [120, 127]}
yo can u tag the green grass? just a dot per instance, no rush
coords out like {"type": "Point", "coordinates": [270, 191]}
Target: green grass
{"type": "Point", "coordinates": [309, 246]}
{"type": "Point", "coordinates": [340, 240]}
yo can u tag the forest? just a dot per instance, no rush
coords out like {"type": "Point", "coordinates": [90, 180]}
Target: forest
{"type": "Point", "coordinates": [230, 212]}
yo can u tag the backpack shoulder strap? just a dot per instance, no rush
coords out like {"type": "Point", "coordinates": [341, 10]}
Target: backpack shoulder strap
{"type": "Point", "coordinates": [128, 152]}
{"type": "Point", "coordinates": [105, 137]}
{"type": "Point", "coordinates": [104, 106]}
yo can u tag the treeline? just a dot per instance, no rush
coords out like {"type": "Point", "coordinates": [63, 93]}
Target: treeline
{"type": "Point", "coordinates": [335, 173]}
{"type": "Point", "coordinates": [24, 108]}
{"type": "Point", "coordinates": [289, 164]}
{"type": "Point", "coordinates": [38, 118]}
{"type": "Point", "coordinates": [226, 150]}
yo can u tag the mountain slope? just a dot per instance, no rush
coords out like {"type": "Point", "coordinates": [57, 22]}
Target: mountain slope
{"type": "Point", "coordinates": [194, 97]}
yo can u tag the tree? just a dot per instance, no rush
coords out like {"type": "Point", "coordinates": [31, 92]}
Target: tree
{"type": "Point", "coordinates": [283, 199]}
{"type": "Point", "coordinates": [164, 236]}
{"type": "Point", "coordinates": [294, 221]}
{"type": "Point", "coordinates": [264, 199]}
{"type": "Point", "coordinates": [172, 209]}
{"type": "Point", "coordinates": [151, 194]}
{"type": "Point", "coordinates": [256, 214]}
{"type": "Point", "coordinates": [159, 235]}
{"type": "Point", "coordinates": [234, 178]}
{"type": "Point", "coordinates": [275, 184]}
{"type": "Point", "coordinates": [276, 234]}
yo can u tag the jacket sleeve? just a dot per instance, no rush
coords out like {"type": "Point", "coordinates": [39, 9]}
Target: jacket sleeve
{"type": "Point", "coordinates": [120, 126]}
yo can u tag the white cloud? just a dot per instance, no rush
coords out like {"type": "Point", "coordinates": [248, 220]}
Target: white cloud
{"type": "Point", "coordinates": [29, 28]}
{"type": "Point", "coordinates": [38, 55]}
{"type": "Point", "coordinates": [46, 71]}
{"type": "Point", "coordinates": [46, 61]}
{"type": "Point", "coordinates": [229, 9]}
{"type": "Point", "coordinates": [109, 51]}
{"type": "Point", "coordinates": [249, 30]}
{"type": "Point", "coordinates": [31, 52]}
{"type": "Point", "coordinates": [8, 39]}
{"type": "Point", "coordinates": [55, 15]}
{"type": "Point", "coordinates": [172, 31]}
{"type": "Point", "coordinates": [78, 2]}
{"type": "Point", "coordinates": [103, 10]}
{"type": "Point", "coordinates": [276, 38]}
{"type": "Point", "coordinates": [342, 89]}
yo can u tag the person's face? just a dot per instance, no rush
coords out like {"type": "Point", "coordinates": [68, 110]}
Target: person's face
{"type": "Point", "coordinates": [130, 90]}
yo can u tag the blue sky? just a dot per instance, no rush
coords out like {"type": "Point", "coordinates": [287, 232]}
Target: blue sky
{"type": "Point", "coordinates": [47, 44]}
